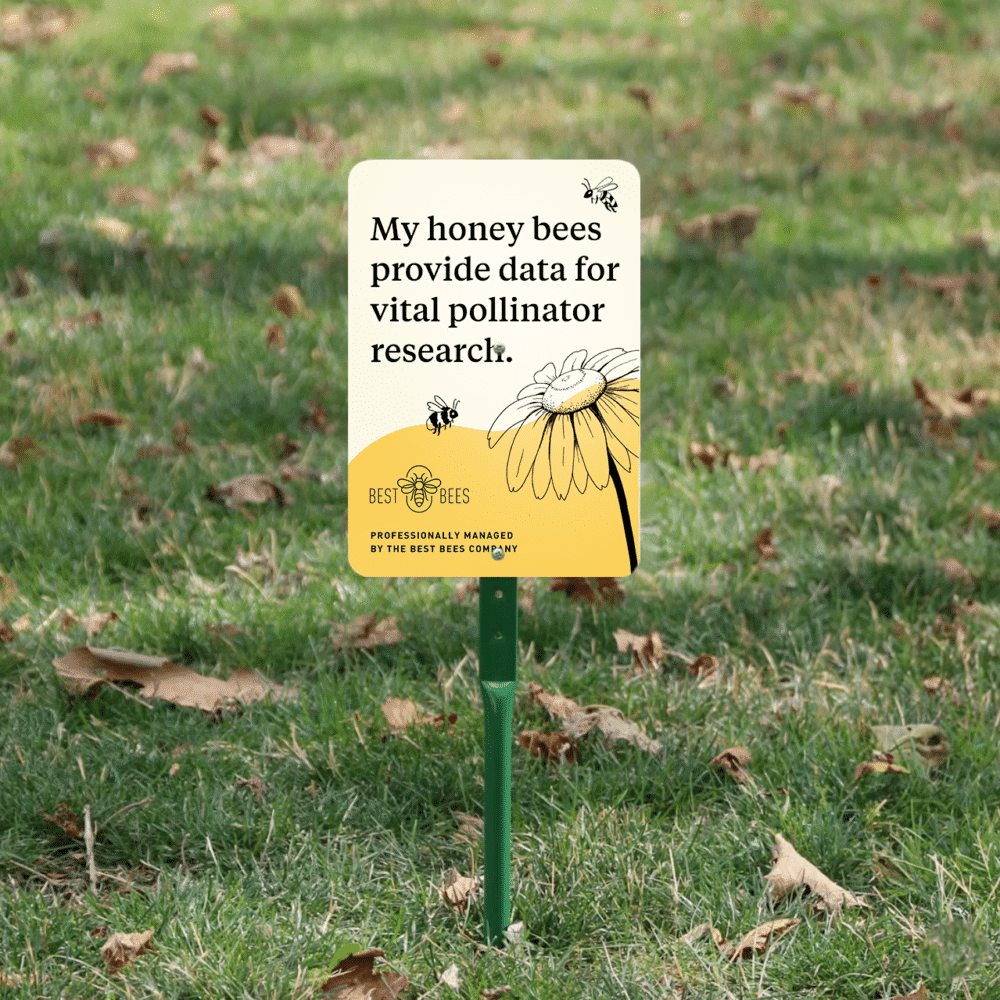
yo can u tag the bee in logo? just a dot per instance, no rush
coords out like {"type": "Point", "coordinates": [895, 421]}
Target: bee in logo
{"type": "Point", "coordinates": [418, 487]}
{"type": "Point", "coordinates": [601, 192]}
{"type": "Point", "coordinates": [442, 415]}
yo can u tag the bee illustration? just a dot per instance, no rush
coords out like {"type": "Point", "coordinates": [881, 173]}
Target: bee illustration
{"type": "Point", "coordinates": [442, 415]}
{"type": "Point", "coordinates": [601, 192]}
{"type": "Point", "coordinates": [418, 487]}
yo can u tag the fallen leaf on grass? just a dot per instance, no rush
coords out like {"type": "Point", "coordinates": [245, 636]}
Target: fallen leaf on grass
{"type": "Point", "coordinates": [701, 930]}
{"type": "Point", "coordinates": [763, 542]}
{"type": "Point", "coordinates": [647, 650]}
{"type": "Point", "coordinates": [253, 488]}
{"type": "Point", "coordinates": [92, 317]}
{"type": "Point", "coordinates": [458, 890]}
{"type": "Point", "coordinates": [355, 978]}
{"type": "Point", "coordinates": [952, 286]}
{"type": "Point", "coordinates": [593, 590]}
{"type": "Point", "coordinates": [921, 743]}
{"type": "Point", "coordinates": [66, 820]}
{"type": "Point", "coordinates": [470, 829]}
{"type": "Point", "coordinates": [450, 977]}
{"type": "Point", "coordinates": [163, 64]}
{"type": "Point", "coordinates": [579, 720]}
{"type": "Point", "coordinates": [104, 418]}
{"type": "Point", "coordinates": [94, 623]}
{"type": "Point", "coordinates": [120, 949]}
{"type": "Point", "coordinates": [131, 194]}
{"type": "Point", "coordinates": [990, 516]}
{"type": "Point", "coordinates": [7, 634]}
{"type": "Point", "coordinates": [643, 95]}
{"type": "Point", "coordinates": [983, 464]}
{"type": "Point", "coordinates": [16, 450]}
{"type": "Point", "coordinates": [366, 632]}
{"type": "Point", "coordinates": [728, 229]}
{"type": "Point", "coordinates": [84, 669]}
{"type": "Point", "coordinates": [879, 763]}
{"type": "Point", "coordinates": [401, 713]}
{"type": "Point", "coordinates": [704, 666]}
{"type": "Point", "coordinates": [211, 116]}
{"type": "Point", "coordinates": [920, 993]}
{"type": "Point", "coordinates": [734, 760]}
{"type": "Point", "coordinates": [113, 154]}
{"type": "Point", "coordinates": [274, 335]}
{"type": "Point", "coordinates": [316, 418]}
{"type": "Point", "coordinates": [791, 871]}
{"type": "Point", "coordinates": [955, 571]}
{"type": "Point", "coordinates": [213, 154]}
{"type": "Point", "coordinates": [555, 747]}
{"type": "Point", "coordinates": [289, 302]}
{"type": "Point", "coordinates": [32, 23]}
{"type": "Point", "coordinates": [943, 688]}
{"type": "Point", "coordinates": [757, 940]}
{"type": "Point", "coordinates": [947, 405]}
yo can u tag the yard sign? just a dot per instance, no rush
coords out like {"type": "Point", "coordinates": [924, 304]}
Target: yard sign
{"type": "Point", "coordinates": [493, 375]}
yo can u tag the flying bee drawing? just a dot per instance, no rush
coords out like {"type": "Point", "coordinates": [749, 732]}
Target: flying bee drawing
{"type": "Point", "coordinates": [601, 192]}
{"type": "Point", "coordinates": [442, 415]}
{"type": "Point", "coordinates": [419, 488]}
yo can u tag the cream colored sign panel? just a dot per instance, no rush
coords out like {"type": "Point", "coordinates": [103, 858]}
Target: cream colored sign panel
{"type": "Point", "coordinates": [493, 368]}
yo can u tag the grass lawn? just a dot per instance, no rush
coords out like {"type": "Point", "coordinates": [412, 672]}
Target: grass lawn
{"type": "Point", "coordinates": [137, 280]}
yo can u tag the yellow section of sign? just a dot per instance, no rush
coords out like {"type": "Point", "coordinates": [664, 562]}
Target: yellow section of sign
{"type": "Point", "coordinates": [439, 504]}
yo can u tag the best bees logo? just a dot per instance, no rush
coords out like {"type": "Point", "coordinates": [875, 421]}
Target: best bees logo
{"type": "Point", "coordinates": [419, 487]}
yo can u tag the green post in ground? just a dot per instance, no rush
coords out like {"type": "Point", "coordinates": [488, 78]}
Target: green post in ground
{"type": "Point", "coordinates": [497, 681]}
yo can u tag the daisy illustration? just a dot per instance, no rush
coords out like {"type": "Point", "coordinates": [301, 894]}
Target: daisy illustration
{"type": "Point", "coordinates": [574, 427]}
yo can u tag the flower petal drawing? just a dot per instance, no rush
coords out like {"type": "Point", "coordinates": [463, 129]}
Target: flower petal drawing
{"type": "Point", "coordinates": [575, 425]}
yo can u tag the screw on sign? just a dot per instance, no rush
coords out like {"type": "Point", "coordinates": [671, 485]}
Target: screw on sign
{"type": "Point", "coordinates": [493, 404]}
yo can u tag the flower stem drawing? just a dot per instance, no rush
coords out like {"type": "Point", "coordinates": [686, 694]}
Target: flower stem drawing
{"type": "Point", "coordinates": [576, 426]}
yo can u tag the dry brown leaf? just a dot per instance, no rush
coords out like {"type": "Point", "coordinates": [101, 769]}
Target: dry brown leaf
{"type": "Point", "coordinates": [401, 713]}
{"type": "Point", "coordinates": [763, 542]}
{"type": "Point", "coordinates": [734, 760]}
{"type": "Point", "coordinates": [727, 229]}
{"type": "Point", "coordinates": [164, 64]}
{"type": "Point", "coordinates": [555, 747]}
{"type": "Point", "coordinates": [920, 993]}
{"type": "Point", "coordinates": [288, 301]}
{"type": "Point", "coordinates": [955, 571]}
{"type": "Point", "coordinates": [952, 286]}
{"type": "Point", "coordinates": [983, 464]}
{"type": "Point", "coordinates": [213, 154]}
{"type": "Point", "coordinates": [557, 705]}
{"type": "Point", "coordinates": [880, 762]}
{"type": "Point", "coordinates": [105, 418]}
{"type": "Point", "coordinates": [366, 632]}
{"type": "Point", "coordinates": [131, 194]}
{"type": "Point", "coordinates": [316, 418]}
{"type": "Point", "coordinates": [643, 95]}
{"type": "Point", "coordinates": [276, 147]}
{"type": "Point", "coordinates": [33, 23]}
{"type": "Point", "coordinates": [94, 623]}
{"type": "Point", "coordinates": [116, 230]}
{"type": "Point", "coordinates": [275, 337]}
{"type": "Point", "coordinates": [16, 450]}
{"type": "Point", "coordinates": [66, 820]}
{"type": "Point", "coordinates": [114, 154]}
{"type": "Point", "coordinates": [492, 59]}
{"type": "Point", "coordinates": [120, 949]}
{"type": "Point", "coordinates": [253, 488]}
{"type": "Point", "coordinates": [7, 634]}
{"type": "Point", "coordinates": [796, 94]}
{"type": "Point", "coordinates": [593, 590]}
{"type": "Point", "coordinates": [704, 666]}
{"type": "Point", "coordinates": [757, 940]}
{"type": "Point", "coordinates": [613, 724]}
{"type": "Point", "coordinates": [355, 978]}
{"type": "Point", "coordinates": [791, 871]}
{"type": "Point", "coordinates": [990, 516]}
{"type": "Point", "coordinates": [85, 668]}
{"type": "Point", "coordinates": [211, 116]}
{"type": "Point", "coordinates": [921, 743]}
{"type": "Point", "coordinates": [93, 317]}
{"type": "Point", "coordinates": [458, 890]}
{"type": "Point", "coordinates": [647, 650]}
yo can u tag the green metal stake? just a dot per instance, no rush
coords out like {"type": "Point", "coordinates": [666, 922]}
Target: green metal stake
{"type": "Point", "coordinates": [497, 681]}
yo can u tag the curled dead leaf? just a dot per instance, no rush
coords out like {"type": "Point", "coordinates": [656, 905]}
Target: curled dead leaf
{"type": "Point", "coordinates": [366, 632]}
{"type": "Point", "coordinates": [288, 300]}
{"type": "Point", "coordinates": [112, 155]}
{"type": "Point", "coordinates": [990, 516]}
{"type": "Point", "coordinates": [355, 978]}
{"type": "Point", "coordinates": [17, 450]}
{"type": "Point", "coordinates": [613, 724]}
{"type": "Point", "coordinates": [164, 64]}
{"type": "Point", "coordinates": [213, 154]}
{"type": "Point", "coordinates": [593, 590]}
{"type": "Point", "coordinates": [728, 229]}
{"type": "Point", "coordinates": [955, 571]}
{"type": "Point", "coordinates": [66, 820]}
{"type": "Point", "coordinates": [557, 705]}
{"type": "Point", "coordinates": [253, 488]}
{"type": "Point", "coordinates": [84, 669]}
{"type": "Point", "coordinates": [763, 542]}
{"type": "Point", "coordinates": [920, 993]}
{"type": "Point", "coordinates": [458, 890]}
{"type": "Point", "coordinates": [647, 650]}
{"type": "Point", "coordinates": [734, 761]}
{"type": "Point", "coordinates": [120, 949]}
{"type": "Point", "coordinates": [880, 762]}
{"type": "Point", "coordinates": [757, 940]}
{"type": "Point", "coordinates": [105, 418]}
{"type": "Point", "coordinates": [920, 743]}
{"type": "Point", "coordinates": [555, 747]}
{"type": "Point", "coordinates": [791, 871]}
{"type": "Point", "coordinates": [211, 116]}
{"type": "Point", "coordinates": [641, 94]}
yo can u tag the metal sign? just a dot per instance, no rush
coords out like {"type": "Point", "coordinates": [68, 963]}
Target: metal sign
{"type": "Point", "coordinates": [493, 368]}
